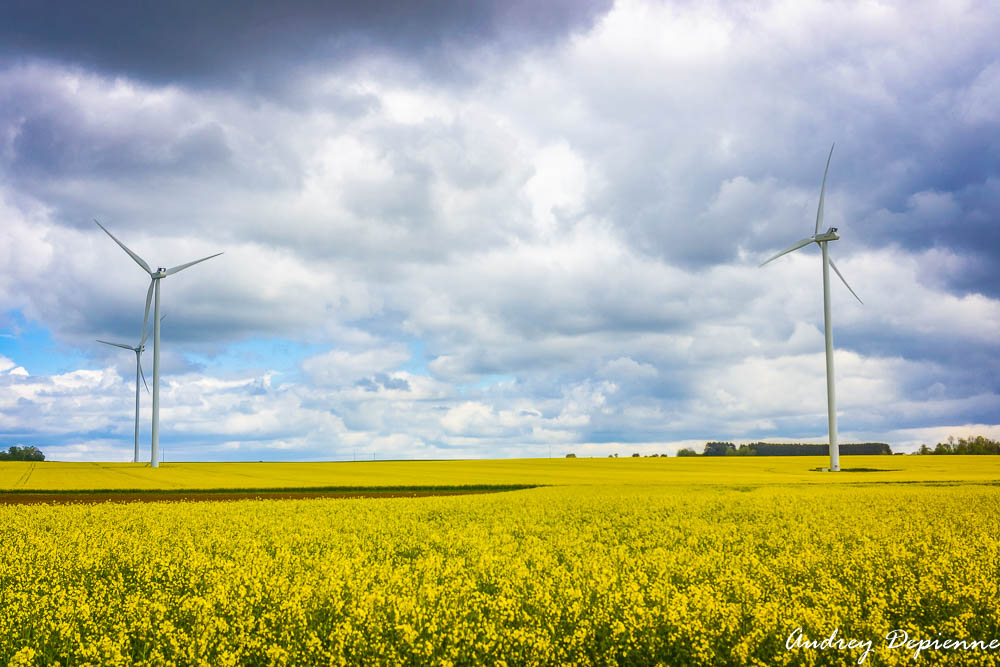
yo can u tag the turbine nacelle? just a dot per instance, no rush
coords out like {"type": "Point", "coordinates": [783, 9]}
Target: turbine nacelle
{"type": "Point", "coordinates": [817, 238]}
{"type": "Point", "coordinates": [830, 235]}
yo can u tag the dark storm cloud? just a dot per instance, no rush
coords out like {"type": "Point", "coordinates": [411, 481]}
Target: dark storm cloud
{"type": "Point", "coordinates": [910, 113]}
{"type": "Point", "coordinates": [965, 219]}
{"type": "Point", "coordinates": [232, 45]}
{"type": "Point", "coordinates": [908, 188]}
{"type": "Point", "coordinates": [49, 145]}
{"type": "Point", "coordinates": [62, 128]}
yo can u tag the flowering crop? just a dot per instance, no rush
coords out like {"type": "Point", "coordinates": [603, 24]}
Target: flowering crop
{"type": "Point", "coordinates": [48, 475]}
{"type": "Point", "coordinates": [580, 574]}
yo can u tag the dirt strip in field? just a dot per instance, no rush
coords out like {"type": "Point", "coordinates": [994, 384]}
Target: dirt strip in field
{"type": "Point", "coordinates": [153, 496]}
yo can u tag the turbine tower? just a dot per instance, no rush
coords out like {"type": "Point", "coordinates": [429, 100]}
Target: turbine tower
{"type": "Point", "coordinates": [822, 240]}
{"type": "Point", "coordinates": [154, 286]}
{"type": "Point", "coordinates": [138, 349]}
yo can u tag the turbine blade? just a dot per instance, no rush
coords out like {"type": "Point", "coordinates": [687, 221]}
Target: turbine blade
{"type": "Point", "coordinates": [822, 191]}
{"type": "Point", "coordinates": [176, 269]}
{"type": "Point", "coordinates": [837, 271]}
{"type": "Point", "coordinates": [143, 376]}
{"type": "Point", "coordinates": [146, 334]}
{"type": "Point", "coordinates": [145, 317]}
{"type": "Point", "coordinates": [803, 242]}
{"type": "Point", "coordinates": [138, 260]}
{"type": "Point", "coordinates": [127, 347]}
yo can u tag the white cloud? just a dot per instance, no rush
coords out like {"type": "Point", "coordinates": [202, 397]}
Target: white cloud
{"type": "Point", "coordinates": [339, 367]}
{"type": "Point", "coordinates": [470, 416]}
{"type": "Point", "coordinates": [558, 187]}
{"type": "Point", "coordinates": [627, 368]}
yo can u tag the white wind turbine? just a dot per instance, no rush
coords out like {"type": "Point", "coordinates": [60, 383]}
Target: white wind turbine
{"type": "Point", "coordinates": [154, 282]}
{"type": "Point", "coordinates": [138, 349]}
{"type": "Point", "coordinates": [822, 240]}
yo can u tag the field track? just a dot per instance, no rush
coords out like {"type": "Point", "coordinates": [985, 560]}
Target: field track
{"type": "Point", "coordinates": [137, 496]}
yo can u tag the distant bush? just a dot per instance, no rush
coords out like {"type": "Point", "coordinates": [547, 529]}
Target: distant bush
{"type": "Point", "coordinates": [719, 449]}
{"type": "Point", "coordinates": [635, 455]}
{"type": "Point", "coordinates": [687, 451]}
{"type": "Point", "coordinates": [727, 449]}
{"type": "Point", "coordinates": [15, 453]}
{"type": "Point", "coordinates": [571, 456]}
{"type": "Point", "coordinates": [795, 449]}
{"type": "Point", "coordinates": [976, 446]}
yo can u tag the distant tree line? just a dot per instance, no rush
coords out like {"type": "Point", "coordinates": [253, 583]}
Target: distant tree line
{"type": "Point", "coordinates": [972, 445]}
{"type": "Point", "coordinates": [15, 453]}
{"type": "Point", "coordinates": [794, 449]}
{"type": "Point", "coordinates": [635, 455]}
{"type": "Point", "coordinates": [976, 445]}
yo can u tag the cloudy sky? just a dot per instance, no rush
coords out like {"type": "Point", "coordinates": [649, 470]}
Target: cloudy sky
{"type": "Point", "coordinates": [497, 229]}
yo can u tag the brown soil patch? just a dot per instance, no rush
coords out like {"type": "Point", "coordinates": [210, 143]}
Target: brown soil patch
{"type": "Point", "coordinates": [155, 497]}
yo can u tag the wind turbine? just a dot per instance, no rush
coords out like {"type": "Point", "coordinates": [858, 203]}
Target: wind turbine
{"type": "Point", "coordinates": [138, 349]}
{"type": "Point", "coordinates": [154, 286]}
{"type": "Point", "coordinates": [822, 240]}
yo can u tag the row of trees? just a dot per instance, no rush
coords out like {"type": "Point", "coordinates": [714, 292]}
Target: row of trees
{"type": "Point", "coordinates": [771, 449]}
{"type": "Point", "coordinates": [976, 445]}
{"type": "Point", "coordinates": [614, 456]}
{"type": "Point", "coordinates": [15, 453]}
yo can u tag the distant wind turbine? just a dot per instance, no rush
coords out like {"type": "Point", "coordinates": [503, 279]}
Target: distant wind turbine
{"type": "Point", "coordinates": [138, 349]}
{"type": "Point", "coordinates": [154, 286]}
{"type": "Point", "coordinates": [822, 240]}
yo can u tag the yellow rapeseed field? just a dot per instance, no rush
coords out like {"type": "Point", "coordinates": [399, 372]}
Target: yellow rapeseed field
{"type": "Point", "coordinates": [16, 475]}
{"type": "Point", "coordinates": [641, 561]}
